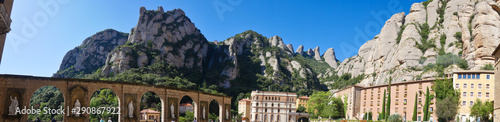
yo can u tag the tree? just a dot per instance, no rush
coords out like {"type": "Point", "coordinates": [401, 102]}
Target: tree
{"type": "Point", "coordinates": [414, 118]}
{"type": "Point", "coordinates": [482, 110]}
{"type": "Point", "coordinates": [322, 104]}
{"type": "Point", "coordinates": [383, 107]}
{"type": "Point", "coordinates": [426, 106]}
{"type": "Point", "coordinates": [447, 99]}
{"type": "Point", "coordinates": [368, 116]}
{"type": "Point", "coordinates": [388, 109]}
{"type": "Point", "coordinates": [301, 109]}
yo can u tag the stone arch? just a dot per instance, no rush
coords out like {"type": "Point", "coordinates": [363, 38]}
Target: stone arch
{"type": "Point", "coordinates": [118, 98]}
{"type": "Point", "coordinates": [48, 88]}
{"type": "Point", "coordinates": [220, 107]}
{"type": "Point", "coordinates": [162, 101]}
{"type": "Point", "coordinates": [194, 103]}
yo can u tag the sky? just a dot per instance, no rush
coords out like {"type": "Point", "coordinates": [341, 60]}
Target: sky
{"type": "Point", "coordinates": [43, 31]}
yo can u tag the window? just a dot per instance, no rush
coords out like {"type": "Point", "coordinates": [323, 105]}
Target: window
{"type": "Point", "coordinates": [487, 94]}
{"type": "Point", "coordinates": [468, 76]}
{"type": "Point", "coordinates": [404, 101]}
{"type": "Point", "coordinates": [471, 85]}
{"type": "Point", "coordinates": [473, 76]}
{"type": "Point", "coordinates": [457, 86]}
{"type": "Point", "coordinates": [471, 103]}
{"type": "Point", "coordinates": [479, 86]}
{"type": "Point", "coordinates": [464, 103]}
{"type": "Point", "coordinates": [430, 109]}
{"type": "Point", "coordinates": [478, 76]}
{"type": "Point", "coordinates": [460, 76]}
{"type": "Point", "coordinates": [471, 94]}
{"type": "Point", "coordinates": [396, 110]}
{"type": "Point", "coordinates": [487, 76]}
{"type": "Point", "coordinates": [464, 94]}
{"type": "Point", "coordinates": [479, 94]}
{"type": "Point", "coordinates": [465, 85]}
{"type": "Point", "coordinates": [487, 86]}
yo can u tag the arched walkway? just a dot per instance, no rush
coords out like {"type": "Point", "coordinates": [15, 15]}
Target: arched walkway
{"type": "Point", "coordinates": [150, 104]}
{"type": "Point", "coordinates": [107, 99]}
{"type": "Point", "coordinates": [47, 97]}
{"type": "Point", "coordinates": [82, 90]}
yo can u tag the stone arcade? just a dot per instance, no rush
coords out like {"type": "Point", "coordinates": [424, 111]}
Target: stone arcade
{"type": "Point", "coordinates": [23, 87]}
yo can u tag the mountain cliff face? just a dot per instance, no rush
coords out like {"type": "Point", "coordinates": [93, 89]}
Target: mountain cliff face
{"type": "Point", "coordinates": [432, 29]}
{"type": "Point", "coordinates": [164, 47]}
{"type": "Point", "coordinates": [91, 54]}
{"type": "Point", "coordinates": [436, 38]}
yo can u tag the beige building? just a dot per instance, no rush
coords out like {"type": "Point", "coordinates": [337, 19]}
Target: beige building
{"type": "Point", "coordinates": [496, 105]}
{"type": "Point", "coordinates": [473, 85]}
{"type": "Point", "coordinates": [353, 95]}
{"type": "Point", "coordinates": [362, 100]}
{"type": "Point", "coordinates": [5, 10]}
{"type": "Point", "coordinates": [244, 107]}
{"type": "Point", "coordinates": [302, 101]}
{"type": "Point", "coordinates": [148, 115]}
{"type": "Point", "coordinates": [184, 107]}
{"type": "Point", "coordinates": [273, 106]}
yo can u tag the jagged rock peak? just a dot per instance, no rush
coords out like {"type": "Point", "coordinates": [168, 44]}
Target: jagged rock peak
{"type": "Point", "coordinates": [330, 58]}
{"type": "Point", "coordinates": [290, 47]}
{"type": "Point", "coordinates": [316, 54]}
{"type": "Point", "coordinates": [300, 49]}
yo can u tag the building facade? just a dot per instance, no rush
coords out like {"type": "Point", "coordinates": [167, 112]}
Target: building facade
{"type": "Point", "coordinates": [5, 11]}
{"type": "Point", "coordinates": [496, 105]}
{"type": "Point", "coordinates": [184, 107]}
{"type": "Point", "coordinates": [353, 95]}
{"type": "Point", "coordinates": [362, 100]}
{"type": "Point", "coordinates": [302, 101]}
{"type": "Point", "coordinates": [272, 106]}
{"type": "Point", "coordinates": [244, 107]}
{"type": "Point", "coordinates": [473, 85]}
{"type": "Point", "coordinates": [148, 115]}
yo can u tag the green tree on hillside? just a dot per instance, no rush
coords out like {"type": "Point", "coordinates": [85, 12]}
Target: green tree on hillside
{"type": "Point", "coordinates": [322, 104]}
{"type": "Point", "coordinates": [388, 109]}
{"type": "Point", "coordinates": [482, 110]}
{"type": "Point", "coordinates": [414, 118]}
{"type": "Point", "coordinates": [426, 106]}
{"type": "Point", "coordinates": [447, 99]}
{"type": "Point", "coordinates": [382, 116]}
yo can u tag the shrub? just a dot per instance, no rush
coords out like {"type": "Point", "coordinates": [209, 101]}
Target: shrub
{"type": "Point", "coordinates": [488, 67]}
{"type": "Point", "coordinates": [395, 118]}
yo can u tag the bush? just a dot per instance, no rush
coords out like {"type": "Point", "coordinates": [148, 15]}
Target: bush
{"type": "Point", "coordinates": [395, 118]}
{"type": "Point", "coordinates": [488, 67]}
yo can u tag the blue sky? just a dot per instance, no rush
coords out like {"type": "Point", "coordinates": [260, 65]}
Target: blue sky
{"type": "Point", "coordinates": [44, 30]}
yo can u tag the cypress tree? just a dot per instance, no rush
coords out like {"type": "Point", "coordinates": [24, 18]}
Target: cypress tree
{"type": "Point", "coordinates": [414, 118]}
{"type": "Point", "coordinates": [388, 109]}
{"type": "Point", "coordinates": [382, 115]}
{"type": "Point", "coordinates": [426, 106]}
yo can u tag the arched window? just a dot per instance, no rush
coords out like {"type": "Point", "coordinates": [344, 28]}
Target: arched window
{"type": "Point", "coordinates": [272, 104]}
{"type": "Point", "coordinates": [279, 98]}
{"type": "Point", "coordinates": [266, 98]}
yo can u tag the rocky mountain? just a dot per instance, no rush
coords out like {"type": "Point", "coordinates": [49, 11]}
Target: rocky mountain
{"type": "Point", "coordinates": [91, 54]}
{"type": "Point", "coordinates": [166, 48]}
{"type": "Point", "coordinates": [436, 38]}
{"type": "Point", "coordinates": [434, 32]}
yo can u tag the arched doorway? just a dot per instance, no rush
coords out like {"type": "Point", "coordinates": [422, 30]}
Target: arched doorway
{"type": "Point", "coordinates": [107, 99]}
{"type": "Point", "coordinates": [215, 111]}
{"type": "Point", "coordinates": [47, 97]}
{"type": "Point", "coordinates": [151, 107]}
{"type": "Point", "coordinates": [187, 110]}
{"type": "Point", "coordinates": [303, 119]}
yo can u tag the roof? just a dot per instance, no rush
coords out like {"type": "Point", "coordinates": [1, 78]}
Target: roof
{"type": "Point", "coordinates": [475, 71]}
{"type": "Point", "coordinates": [149, 111]}
{"type": "Point", "coordinates": [186, 104]}
{"type": "Point", "coordinates": [245, 100]}
{"type": "Point", "coordinates": [304, 97]}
